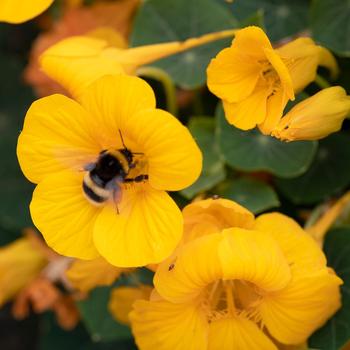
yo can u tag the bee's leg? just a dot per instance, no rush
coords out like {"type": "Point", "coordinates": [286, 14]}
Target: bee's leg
{"type": "Point", "coordinates": [139, 178]}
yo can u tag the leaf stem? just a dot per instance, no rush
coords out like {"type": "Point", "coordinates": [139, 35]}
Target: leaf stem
{"type": "Point", "coordinates": [169, 87]}
{"type": "Point", "coordinates": [322, 82]}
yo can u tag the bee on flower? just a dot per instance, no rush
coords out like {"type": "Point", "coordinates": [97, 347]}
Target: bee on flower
{"type": "Point", "coordinates": [243, 283]}
{"type": "Point", "coordinates": [102, 169]}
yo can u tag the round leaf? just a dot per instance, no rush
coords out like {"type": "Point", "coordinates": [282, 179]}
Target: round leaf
{"type": "Point", "coordinates": [159, 21]}
{"type": "Point", "coordinates": [213, 172]}
{"type": "Point", "coordinates": [99, 322]}
{"type": "Point", "coordinates": [330, 24]}
{"type": "Point", "coordinates": [253, 194]}
{"type": "Point", "coordinates": [328, 174]}
{"type": "Point", "coordinates": [282, 18]}
{"type": "Point", "coordinates": [336, 333]}
{"type": "Point", "coordinates": [252, 151]}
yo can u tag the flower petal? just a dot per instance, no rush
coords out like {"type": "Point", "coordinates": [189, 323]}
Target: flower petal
{"type": "Point", "coordinates": [77, 62]}
{"type": "Point", "coordinates": [327, 60]}
{"type": "Point", "coordinates": [301, 56]}
{"type": "Point", "coordinates": [63, 215]}
{"type": "Point", "coordinates": [248, 113]}
{"type": "Point", "coordinates": [146, 230]}
{"type": "Point", "coordinates": [253, 41]}
{"type": "Point", "coordinates": [301, 251]}
{"type": "Point", "coordinates": [312, 295]}
{"type": "Point", "coordinates": [193, 266]}
{"type": "Point", "coordinates": [254, 257]}
{"type": "Point", "coordinates": [18, 11]}
{"type": "Point", "coordinates": [161, 325]}
{"type": "Point", "coordinates": [173, 157]}
{"type": "Point", "coordinates": [112, 101]}
{"type": "Point", "coordinates": [122, 299]}
{"type": "Point", "coordinates": [237, 333]}
{"type": "Point", "coordinates": [232, 75]}
{"type": "Point", "coordinates": [282, 71]}
{"type": "Point", "coordinates": [275, 106]}
{"type": "Point", "coordinates": [85, 275]}
{"type": "Point", "coordinates": [213, 215]}
{"type": "Point", "coordinates": [56, 135]}
{"type": "Point", "coordinates": [294, 313]}
{"type": "Point", "coordinates": [315, 117]}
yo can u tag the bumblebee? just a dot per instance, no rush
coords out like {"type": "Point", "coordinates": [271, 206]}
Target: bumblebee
{"type": "Point", "coordinates": [103, 178]}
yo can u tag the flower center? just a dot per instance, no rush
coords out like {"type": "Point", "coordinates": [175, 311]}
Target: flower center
{"type": "Point", "coordinates": [231, 298]}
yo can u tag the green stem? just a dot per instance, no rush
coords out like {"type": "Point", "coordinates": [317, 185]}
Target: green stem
{"type": "Point", "coordinates": [322, 82]}
{"type": "Point", "coordinates": [169, 87]}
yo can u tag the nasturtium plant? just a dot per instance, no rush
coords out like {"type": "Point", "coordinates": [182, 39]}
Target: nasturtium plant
{"type": "Point", "coordinates": [336, 333]}
{"type": "Point", "coordinates": [328, 174]}
{"type": "Point", "coordinates": [156, 21]}
{"type": "Point", "coordinates": [252, 151]}
{"type": "Point", "coordinates": [203, 130]}
{"type": "Point", "coordinates": [335, 35]}
{"type": "Point", "coordinates": [281, 18]}
{"type": "Point", "coordinates": [191, 162]}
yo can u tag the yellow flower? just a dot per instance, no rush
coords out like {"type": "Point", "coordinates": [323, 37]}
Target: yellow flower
{"type": "Point", "coordinates": [62, 141]}
{"type": "Point", "coordinates": [20, 263]}
{"type": "Point", "coordinates": [18, 11]}
{"type": "Point", "coordinates": [122, 299]}
{"type": "Point", "coordinates": [77, 61]}
{"type": "Point", "coordinates": [239, 289]}
{"type": "Point", "coordinates": [256, 81]}
{"type": "Point", "coordinates": [315, 117]}
{"type": "Point", "coordinates": [85, 275]}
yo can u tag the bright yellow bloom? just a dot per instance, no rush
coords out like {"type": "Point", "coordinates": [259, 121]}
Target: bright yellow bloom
{"type": "Point", "coordinates": [122, 299]}
{"type": "Point", "coordinates": [18, 11]}
{"type": "Point", "coordinates": [61, 138]}
{"type": "Point", "coordinates": [85, 275]}
{"type": "Point", "coordinates": [239, 288]}
{"type": "Point", "coordinates": [256, 81]}
{"type": "Point", "coordinates": [20, 263]}
{"type": "Point", "coordinates": [315, 117]}
{"type": "Point", "coordinates": [77, 61]}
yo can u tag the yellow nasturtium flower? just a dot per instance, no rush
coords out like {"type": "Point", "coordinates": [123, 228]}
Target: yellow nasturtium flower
{"type": "Point", "coordinates": [315, 117]}
{"type": "Point", "coordinates": [20, 263]}
{"type": "Point", "coordinates": [18, 11]}
{"type": "Point", "coordinates": [85, 275]}
{"type": "Point", "coordinates": [60, 140]}
{"type": "Point", "coordinates": [256, 81]}
{"type": "Point", "coordinates": [122, 299]}
{"type": "Point", "coordinates": [77, 61]}
{"type": "Point", "coordinates": [250, 286]}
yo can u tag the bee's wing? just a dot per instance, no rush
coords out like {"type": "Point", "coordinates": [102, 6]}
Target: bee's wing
{"type": "Point", "coordinates": [75, 160]}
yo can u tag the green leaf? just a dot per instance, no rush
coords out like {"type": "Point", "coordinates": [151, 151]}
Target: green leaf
{"type": "Point", "coordinates": [98, 320]}
{"type": "Point", "coordinates": [213, 172]}
{"type": "Point", "coordinates": [336, 333]}
{"type": "Point", "coordinates": [282, 18]}
{"type": "Point", "coordinates": [53, 337]}
{"type": "Point", "coordinates": [253, 194]}
{"type": "Point", "coordinates": [252, 151]}
{"type": "Point", "coordinates": [329, 173]}
{"type": "Point", "coordinates": [15, 190]}
{"type": "Point", "coordinates": [330, 24]}
{"type": "Point", "coordinates": [159, 21]}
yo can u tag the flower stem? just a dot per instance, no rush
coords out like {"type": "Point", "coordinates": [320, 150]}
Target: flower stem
{"type": "Point", "coordinates": [169, 87]}
{"type": "Point", "coordinates": [322, 82]}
